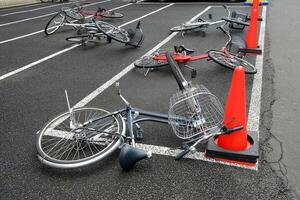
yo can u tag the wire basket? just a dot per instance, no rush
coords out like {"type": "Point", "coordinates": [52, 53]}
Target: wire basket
{"type": "Point", "coordinates": [194, 112]}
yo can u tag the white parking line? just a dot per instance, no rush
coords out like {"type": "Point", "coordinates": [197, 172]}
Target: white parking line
{"type": "Point", "coordinates": [70, 48]}
{"type": "Point", "coordinates": [35, 9]}
{"type": "Point", "coordinates": [41, 16]}
{"type": "Point", "coordinates": [40, 31]}
{"type": "Point", "coordinates": [18, 7]}
{"type": "Point", "coordinates": [254, 109]}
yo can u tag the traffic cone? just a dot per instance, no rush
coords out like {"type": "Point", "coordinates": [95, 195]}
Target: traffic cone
{"type": "Point", "coordinates": [235, 114]}
{"type": "Point", "coordinates": [252, 34]}
{"type": "Point", "coordinates": [238, 146]}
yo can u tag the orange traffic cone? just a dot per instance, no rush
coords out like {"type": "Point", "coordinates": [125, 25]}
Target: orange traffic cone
{"type": "Point", "coordinates": [251, 37]}
{"type": "Point", "coordinates": [235, 114]}
{"type": "Point", "coordinates": [239, 146]}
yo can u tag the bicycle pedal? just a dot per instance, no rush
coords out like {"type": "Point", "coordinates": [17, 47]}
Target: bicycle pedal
{"type": "Point", "coordinates": [139, 134]}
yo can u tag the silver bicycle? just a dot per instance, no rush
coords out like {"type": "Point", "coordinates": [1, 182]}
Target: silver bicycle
{"type": "Point", "coordinates": [234, 19]}
{"type": "Point", "coordinates": [83, 136]}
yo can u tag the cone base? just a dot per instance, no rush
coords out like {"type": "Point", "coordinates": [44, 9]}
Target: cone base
{"type": "Point", "coordinates": [250, 155]}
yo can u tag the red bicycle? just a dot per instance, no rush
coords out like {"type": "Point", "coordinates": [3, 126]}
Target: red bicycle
{"type": "Point", "coordinates": [98, 14]}
{"type": "Point", "coordinates": [183, 56]}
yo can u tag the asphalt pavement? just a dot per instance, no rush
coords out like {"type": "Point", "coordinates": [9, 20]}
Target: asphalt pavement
{"type": "Point", "coordinates": [49, 64]}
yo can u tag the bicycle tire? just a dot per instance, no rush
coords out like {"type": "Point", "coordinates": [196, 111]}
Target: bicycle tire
{"type": "Point", "coordinates": [58, 21]}
{"type": "Point", "coordinates": [72, 13]}
{"type": "Point", "coordinates": [148, 62]}
{"type": "Point", "coordinates": [183, 27]}
{"type": "Point", "coordinates": [176, 72]}
{"type": "Point", "coordinates": [110, 14]}
{"type": "Point", "coordinates": [231, 61]}
{"type": "Point", "coordinates": [112, 31]}
{"type": "Point", "coordinates": [79, 38]}
{"type": "Point", "coordinates": [62, 143]}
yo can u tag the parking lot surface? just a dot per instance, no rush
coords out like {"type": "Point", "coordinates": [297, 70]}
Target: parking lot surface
{"type": "Point", "coordinates": [36, 69]}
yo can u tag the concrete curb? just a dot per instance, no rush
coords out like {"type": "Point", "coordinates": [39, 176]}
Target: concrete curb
{"type": "Point", "coordinates": [11, 3]}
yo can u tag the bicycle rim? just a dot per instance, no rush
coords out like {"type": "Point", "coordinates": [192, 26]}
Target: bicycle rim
{"type": "Point", "coordinates": [74, 14]}
{"type": "Point", "coordinates": [149, 62]}
{"type": "Point", "coordinates": [54, 23]}
{"type": "Point", "coordinates": [230, 61]}
{"type": "Point", "coordinates": [63, 143]}
{"type": "Point", "coordinates": [113, 32]}
{"type": "Point", "coordinates": [78, 38]}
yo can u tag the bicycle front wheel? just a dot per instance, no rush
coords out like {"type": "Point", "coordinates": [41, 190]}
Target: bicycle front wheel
{"type": "Point", "coordinates": [149, 62]}
{"type": "Point", "coordinates": [71, 141]}
{"type": "Point", "coordinates": [231, 61]}
{"type": "Point", "coordinates": [55, 22]}
{"type": "Point", "coordinates": [113, 32]}
{"type": "Point", "coordinates": [184, 27]}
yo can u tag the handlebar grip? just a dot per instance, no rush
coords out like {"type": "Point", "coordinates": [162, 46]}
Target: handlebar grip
{"type": "Point", "coordinates": [230, 130]}
{"type": "Point", "coordinates": [181, 154]}
{"type": "Point", "coordinates": [224, 6]}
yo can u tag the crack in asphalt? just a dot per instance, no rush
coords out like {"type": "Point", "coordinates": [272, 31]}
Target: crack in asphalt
{"type": "Point", "coordinates": [277, 166]}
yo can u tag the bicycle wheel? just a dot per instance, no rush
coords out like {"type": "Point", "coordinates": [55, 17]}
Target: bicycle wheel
{"type": "Point", "coordinates": [66, 142]}
{"type": "Point", "coordinates": [149, 62]}
{"type": "Point", "coordinates": [184, 27]}
{"type": "Point", "coordinates": [55, 22]}
{"type": "Point", "coordinates": [230, 61]}
{"type": "Point", "coordinates": [113, 32]}
{"type": "Point", "coordinates": [72, 13]}
{"type": "Point", "coordinates": [79, 38]}
{"type": "Point", "coordinates": [110, 14]}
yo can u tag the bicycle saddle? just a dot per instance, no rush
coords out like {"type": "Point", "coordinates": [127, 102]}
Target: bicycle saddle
{"type": "Point", "coordinates": [181, 48]}
{"type": "Point", "coordinates": [101, 9]}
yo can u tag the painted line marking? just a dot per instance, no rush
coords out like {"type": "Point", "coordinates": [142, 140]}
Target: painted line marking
{"type": "Point", "coordinates": [40, 31]}
{"type": "Point", "coordinates": [41, 16]}
{"type": "Point", "coordinates": [166, 151]}
{"type": "Point", "coordinates": [35, 9]}
{"type": "Point", "coordinates": [70, 48]}
{"type": "Point", "coordinates": [255, 103]}
{"type": "Point", "coordinates": [37, 62]}
{"type": "Point", "coordinates": [20, 6]}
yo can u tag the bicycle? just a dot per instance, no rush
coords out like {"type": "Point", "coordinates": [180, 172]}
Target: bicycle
{"type": "Point", "coordinates": [183, 56]}
{"type": "Point", "coordinates": [105, 30]}
{"type": "Point", "coordinates": [98, 14]}
{"type": "Point", "coordinates": [83, 136]}
{"type": "Point", "coordinates": [235, 19]}
{"type": "Point", "coordinates": [77, 14]}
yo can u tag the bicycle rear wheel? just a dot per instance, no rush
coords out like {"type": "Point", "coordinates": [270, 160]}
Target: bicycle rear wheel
{"type": "Point", "coordinates": [149, 62]}
{"type": "Point", "coordinates": [231, 61]}
{"type": "Point", "coordinates": [70, 140]}
{"type": "Point", "coordinates": [113, 32]}
{"type": "Point", "coordinates": [184, 27]}
{"type": "Point", "coordinates": [55, 22]}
